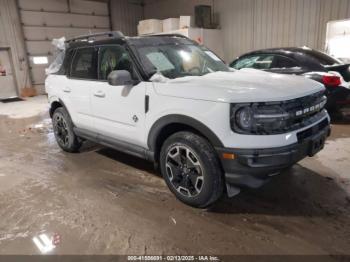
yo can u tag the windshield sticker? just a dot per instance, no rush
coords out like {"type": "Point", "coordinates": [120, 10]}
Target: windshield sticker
{"type": "Point", "coordinates": [160, 61]}
{"type": "Point", "coordinates": [212, 55]}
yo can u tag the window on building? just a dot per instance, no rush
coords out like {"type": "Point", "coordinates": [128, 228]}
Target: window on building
{"type": "Point", "coordinates": [40, 60]}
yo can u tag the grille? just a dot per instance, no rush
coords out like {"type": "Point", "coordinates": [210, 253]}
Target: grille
{"type": "Point", "coordinates": [298, 113]}
{"type": "Point", "coordinates": [304, 111]}
{"type": "Point", "coordinates": [271, 118]}
{"type": "Point", "coordinates": [300, 104]}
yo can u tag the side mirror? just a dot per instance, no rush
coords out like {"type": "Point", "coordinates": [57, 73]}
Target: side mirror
{"type": "Point", "coordinates": [120, 78]}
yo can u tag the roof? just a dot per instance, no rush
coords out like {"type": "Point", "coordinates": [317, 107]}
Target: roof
{"type": "Point", "coordinates": [284, 50]}
{"type": "Point", "coordinates": [159, 40]}
{"type": "Point", "coordinates": [296, 52]}
{"type": "Point", "coordinates": [118, 38]}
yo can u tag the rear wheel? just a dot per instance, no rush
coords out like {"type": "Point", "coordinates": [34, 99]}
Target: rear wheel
{"type": "Point", "coordinates": [191, 169]}
{"type": "Point", "coordinates": [63, 130]}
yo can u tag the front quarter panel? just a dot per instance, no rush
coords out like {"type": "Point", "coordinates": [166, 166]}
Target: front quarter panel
{"type": "Point", "coordinates": [216, 117]}
{"type": "Point", "coordinates": [213, 115]}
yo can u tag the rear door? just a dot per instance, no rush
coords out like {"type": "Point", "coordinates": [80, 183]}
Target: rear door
{"type": "Point", "coordinates": [77, 89]}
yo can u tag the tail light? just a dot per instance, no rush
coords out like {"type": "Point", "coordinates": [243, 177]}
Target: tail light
{"type": "Point", "coordinates": [331, 80]}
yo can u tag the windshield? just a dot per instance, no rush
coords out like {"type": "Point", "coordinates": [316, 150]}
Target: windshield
{"type": "Point", "coordinates": [179, 60]}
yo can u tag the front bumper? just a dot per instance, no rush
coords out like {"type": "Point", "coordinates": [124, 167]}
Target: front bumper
{"type": "Point", "coordinates": [253, 167]}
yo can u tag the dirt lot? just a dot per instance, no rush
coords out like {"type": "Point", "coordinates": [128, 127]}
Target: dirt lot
{"type": "Point", "coordinates": [104, 202]}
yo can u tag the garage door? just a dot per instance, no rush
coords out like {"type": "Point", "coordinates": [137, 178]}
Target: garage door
{"type": "Point", "coordinates": [7, 80]}
{"type": "Point", "coordinates": [43, 20]}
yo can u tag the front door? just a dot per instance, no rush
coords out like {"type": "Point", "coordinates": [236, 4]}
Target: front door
{"type": "Point", "coordinates": [119, 111]}
{"type": "Point", "coordinates": [7, 79]}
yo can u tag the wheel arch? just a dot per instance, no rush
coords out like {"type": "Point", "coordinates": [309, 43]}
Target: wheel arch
{"type": "Point", "coordinates": [56, 103]}
{"type": "Point", "coordinates": [170, 124]}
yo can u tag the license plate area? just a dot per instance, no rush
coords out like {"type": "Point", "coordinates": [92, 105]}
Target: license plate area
{"type": "Point", "coordinates": [317, 144]}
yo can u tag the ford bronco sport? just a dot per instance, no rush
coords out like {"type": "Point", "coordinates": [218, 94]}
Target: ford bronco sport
{"type": "Point", "coordinates": [171, 101]}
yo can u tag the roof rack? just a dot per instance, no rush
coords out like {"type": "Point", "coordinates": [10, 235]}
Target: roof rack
{"type": "Point", "coordinates": [168, 35]}
{"type": "Point", "coordinates": [111, 34]}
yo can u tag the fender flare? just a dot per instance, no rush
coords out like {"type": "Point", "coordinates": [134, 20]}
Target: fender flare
{"type": "Point", "coordinates": [57, 101]}
{"type": "Point", "coordinates": [180, 119]}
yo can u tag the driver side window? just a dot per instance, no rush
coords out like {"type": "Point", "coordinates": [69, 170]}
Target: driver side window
{"type": "Point", "coordinates": [113, 58]}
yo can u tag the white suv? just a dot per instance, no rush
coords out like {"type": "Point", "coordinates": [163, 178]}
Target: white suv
{"type": "Point", "coordinates": [169, 100]}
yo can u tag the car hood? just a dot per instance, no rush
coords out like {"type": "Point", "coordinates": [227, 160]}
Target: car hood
{"type": "Point", "coordinates": [246, 85]}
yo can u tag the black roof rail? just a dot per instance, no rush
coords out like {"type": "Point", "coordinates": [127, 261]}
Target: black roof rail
{"type": "Point", "coordinates": [111, 34]}
{"type": "Point", "coordinates": [166, 35]}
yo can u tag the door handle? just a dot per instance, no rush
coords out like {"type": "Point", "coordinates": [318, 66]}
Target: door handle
{"type": "Point", "coordinates": [66, 89]}
{"type": "Point", "coordinates": [100, 94]}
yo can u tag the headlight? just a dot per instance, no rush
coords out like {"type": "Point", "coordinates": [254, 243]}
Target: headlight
{"type": "Point", "coordinates": [275, 117]}
{"type": "Point", "coordinates": [256, 119]}
{"type": "Point", "coordinates": [244, 118]}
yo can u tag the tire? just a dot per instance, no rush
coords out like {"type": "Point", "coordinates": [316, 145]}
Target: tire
{"type": "Point", "coordinates": [191, 169]}
{"type": "Point", "coordinates": [63, 130]}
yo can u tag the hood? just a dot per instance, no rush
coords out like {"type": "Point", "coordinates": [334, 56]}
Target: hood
{"type": "Point", "coordinates": [246, 85]}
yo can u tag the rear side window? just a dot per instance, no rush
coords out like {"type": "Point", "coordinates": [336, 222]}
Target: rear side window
{"type": "Point", "coordinates": [258, 62]}
{"type": "Point", "coordinates": [84, 65]}
{"type": "Point", "coordinates": [284, 62]}
{"type": "Point", "coordinates": [64, 69]}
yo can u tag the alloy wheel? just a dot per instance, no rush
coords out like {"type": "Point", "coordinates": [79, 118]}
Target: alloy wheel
{"type": "Point", "coordinates": [184, 170]}
{"type": "Point", "coordinates": [61, 129]}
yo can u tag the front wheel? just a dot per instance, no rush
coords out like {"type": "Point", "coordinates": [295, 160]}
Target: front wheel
{"type": "Point", "coordinates": [191, 169]}
{"type": "Point", "coordinates": [63, 129]}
